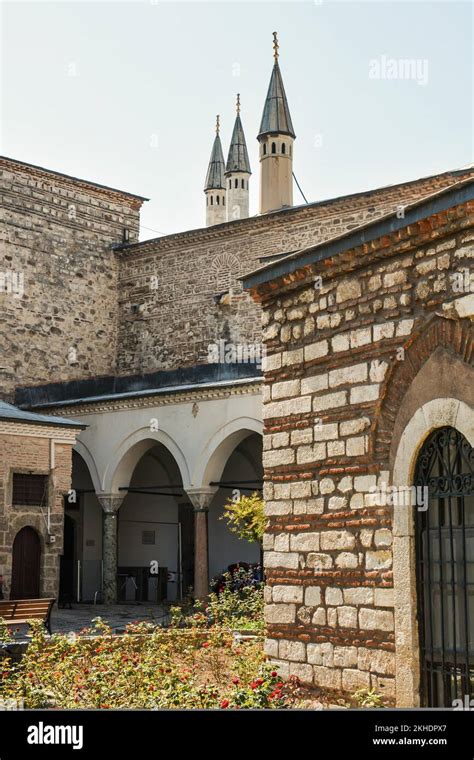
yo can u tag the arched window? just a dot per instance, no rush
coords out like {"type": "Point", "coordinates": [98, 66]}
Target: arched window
{"type": "Point", "coordinates": [223, 200]}
{"type": "Point", "coordinates": [236, 182]}
{"type": "Point", "coordinates": [230, 184]}
{"type": "Point", "coordinates": [217, 199]}
{"type": "Point", "coordinates": [242, 184]}
{"type": "Point", "coordinates": [274, 148]}
{"type": "Point", "coordinates": [212, 200]}
{"type": "Point", "coordinates": [264, 149]}
{"type": "Point", "coordinates": [283, 148]}
{"type": "Point", "coordinates": [444, 517]}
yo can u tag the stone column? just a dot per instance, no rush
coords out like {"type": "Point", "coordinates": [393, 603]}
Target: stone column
{"type": "Point", "coordinates": [110, 505]}
{"type": "Point", "coordinates": [201, 499]}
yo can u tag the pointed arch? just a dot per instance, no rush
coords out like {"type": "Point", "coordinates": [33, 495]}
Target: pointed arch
{"type": "Point", "coordinates": [438, 341]}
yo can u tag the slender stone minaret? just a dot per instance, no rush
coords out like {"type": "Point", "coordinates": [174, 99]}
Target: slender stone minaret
{"type": "Point", "coordinates": [276, 137]}
{"type": "Point", "coordinates": [237, 172]}
{"type": "Point", "coordinates": [215, 183]}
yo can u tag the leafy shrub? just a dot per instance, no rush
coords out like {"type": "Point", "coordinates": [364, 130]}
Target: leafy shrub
{"type": "Point", "coordinates": [245, 517]}
{"type": "Point", "coordinates": [147, 667]}
{"type": "Point", "coordinates": [237, 603]}
{"type": "Point", "coordinates": [368, 698]}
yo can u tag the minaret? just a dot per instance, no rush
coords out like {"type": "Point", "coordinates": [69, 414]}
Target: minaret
{"type": "Point", "coordinates": [237, 172]}
{"type": "Point", "coordinates": [276, 137]}
{"type": "Point", "coordinates": [215, 183]}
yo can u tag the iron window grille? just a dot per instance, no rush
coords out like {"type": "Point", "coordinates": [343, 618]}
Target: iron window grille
{"type": "Point", "coordinates": [29, 490]}
{"type": "Point", "coordinates": [445, 568]}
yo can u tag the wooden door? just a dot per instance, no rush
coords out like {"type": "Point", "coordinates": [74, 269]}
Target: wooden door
{"type": "Point", "coordinates": [26, 565]}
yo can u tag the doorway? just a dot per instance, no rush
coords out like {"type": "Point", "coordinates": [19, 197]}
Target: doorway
{"type": "Point", "coordinates": [26, 565]}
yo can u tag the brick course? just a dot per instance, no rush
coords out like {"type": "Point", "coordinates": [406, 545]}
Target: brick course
{"type": "Point", "coordinates": [379, 314]}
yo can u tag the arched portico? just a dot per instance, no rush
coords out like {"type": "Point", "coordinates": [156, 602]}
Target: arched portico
{"type": "Point", "coordinates": [187, 431]}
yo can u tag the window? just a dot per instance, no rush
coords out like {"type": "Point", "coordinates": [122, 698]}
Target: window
{"type": "Point", "coordinates": [290, 150]}
{"type": "Point", "coordinates": [274, 148]}
{"type": "Point", "coordinates": [212, 200]}
{"type": "Point", "coordinates": [264, 149]}
{"type": "Point", "coordinates": [283, 148]}
{"type": "Point", "coordinates": [236, 183]}
{"type": "Point", "coordinates": [148, 537]}
{"type": "Point", "coordinates": [223, 200]}
{"type": "Point", "coordinates": [207, 201]}
{"type": "Point", "coordinates": [243, 184]}
{"type": "Point", "coordinates": [217, 199]}
{"type": "Point", "coordinates": [30, 490]}
{"type": "Point", "coordinates": [230, 184]}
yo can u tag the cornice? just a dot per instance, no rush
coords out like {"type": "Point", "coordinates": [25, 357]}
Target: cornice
{"type": "Point", "coordinates": [145, 402]}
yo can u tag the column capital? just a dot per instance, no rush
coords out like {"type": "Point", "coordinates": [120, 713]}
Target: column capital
{"type": "Point", "coordinates": [201, 498]}
{"type": "Point", "coordinates": [110, 502]}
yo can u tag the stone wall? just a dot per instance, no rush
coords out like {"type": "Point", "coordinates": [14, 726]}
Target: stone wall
{"type": "Point", "coordinates": [58, 275]}
{"type": "Point", "coordinates": [27, 448]}
{"type": "Point", "coordinates": [343, 352]}
{"type": "Point", "coordinates": [168, 314]}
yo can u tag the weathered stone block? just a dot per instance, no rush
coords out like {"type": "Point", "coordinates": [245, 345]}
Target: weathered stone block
{"type": "Point", "coordinates": [381, 620]}
{"type": "Point", "coordinates": [312, 596]}
{"type": "Point", "coordinates": [337, 539]}
{"type": "Point", "coordinates": [304, 542]}
{"type": "Point", "coordinates": [292, 650]}
{"type": "Point", "coordinates": [281, 559]}
{"type": "Point", "coordinates": [280, 613]}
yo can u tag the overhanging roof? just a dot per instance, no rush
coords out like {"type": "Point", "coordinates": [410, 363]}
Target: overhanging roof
{"type": "Point", "coordinates": [13, 414]}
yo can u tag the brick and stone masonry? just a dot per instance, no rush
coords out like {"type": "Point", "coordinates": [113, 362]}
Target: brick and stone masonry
{"type": "Point", "coordinates": [349, 357]}
{"type": "Point", "coordinates": [167, 316]}
{"type": "Point", "coordinates": [58, 275]}
{"type": "Point", "coordinates": [41, 450]}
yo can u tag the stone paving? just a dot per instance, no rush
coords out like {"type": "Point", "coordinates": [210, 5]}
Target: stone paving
{"type": "Point", "coordinates": [116, 615]}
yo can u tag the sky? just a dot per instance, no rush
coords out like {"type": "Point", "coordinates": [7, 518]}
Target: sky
{"type": "Point", "coordinates": [126, 93]}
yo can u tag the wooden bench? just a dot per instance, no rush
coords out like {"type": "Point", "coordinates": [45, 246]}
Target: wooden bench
{"type": "Point", "coordinates": [21, 611]}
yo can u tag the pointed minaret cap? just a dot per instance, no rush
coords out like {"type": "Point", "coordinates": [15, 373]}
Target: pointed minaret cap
{"type": "Point", "coordinates": [276, 117]}
{"type": "Point", "coordinates": [215, 172]}
{"type": "Point", "coordinates": [238, 157]}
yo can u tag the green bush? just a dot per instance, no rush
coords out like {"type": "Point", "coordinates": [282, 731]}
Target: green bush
{"type": "Point", "coordinates": [238, 605]}
{"type": "Point", "coordinates": [154, 668]}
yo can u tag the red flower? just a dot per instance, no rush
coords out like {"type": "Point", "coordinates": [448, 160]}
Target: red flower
{"type": "Point", "coordinates": [224, 704]}
{"type": "Point", "coordinates": [205, 644]}
{"type": "Point", "coordinates": [235, 681]}
{"type": "Point", "coordinates": [274, 674]}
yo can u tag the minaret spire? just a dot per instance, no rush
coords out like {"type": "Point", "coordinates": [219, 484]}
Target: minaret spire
{"type": "Point", "coordinates": [276, 137]}
{"type": "Point", "coordinates": [214, 187]}
{"type": "Point", "coordinates": [237, 171]}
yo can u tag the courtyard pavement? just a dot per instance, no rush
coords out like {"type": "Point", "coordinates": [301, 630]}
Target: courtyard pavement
{"type": "Point", "coordinates": [115, 615]}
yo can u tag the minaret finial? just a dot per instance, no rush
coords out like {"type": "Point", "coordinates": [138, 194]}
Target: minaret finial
{"type": "Point", "coordinates": [275, 46]}
{"type": "Point", "coordinates": [218, 124]}
{"type": "Point", "coordinates": [238, 103]}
